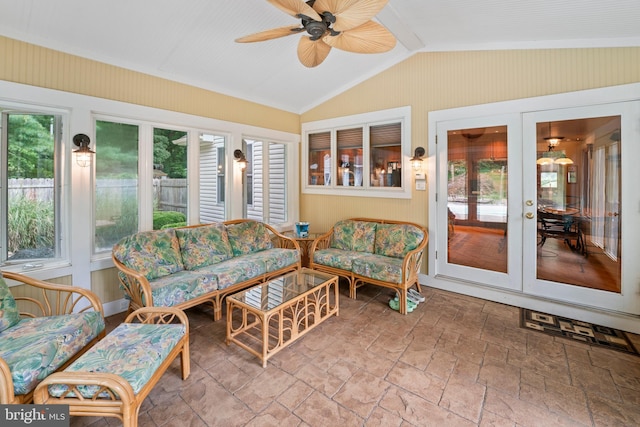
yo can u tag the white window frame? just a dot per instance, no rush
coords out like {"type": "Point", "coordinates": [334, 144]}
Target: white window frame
{"type": "Point", "coordinates": [62, 177]}
{"type": "Point", "coordinates": [365, 120]}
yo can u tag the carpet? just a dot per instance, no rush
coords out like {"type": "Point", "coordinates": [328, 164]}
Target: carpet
{"type": "Point", "coordinates": [595, 335]}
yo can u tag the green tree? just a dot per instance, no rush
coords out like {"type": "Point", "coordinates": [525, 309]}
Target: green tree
{"type": "Point", "coordinates": [31, 143]}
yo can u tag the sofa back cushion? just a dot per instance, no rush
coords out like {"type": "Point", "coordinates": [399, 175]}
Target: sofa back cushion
{"type": "Point", "coordinates": [396, 240]}
{"type": "Point", "coordinates": [204, 245]}
{"type": "Point", "coordinates": [358, 236]}
{"type": "Point", "coordinates": [248, 237]}
{"type": "Point", "coordinates": [152, 253]}
{"type": "Point", "coordinates": [9, 314]}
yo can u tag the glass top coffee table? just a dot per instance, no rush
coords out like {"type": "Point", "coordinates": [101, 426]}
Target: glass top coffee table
{"type": "Point", "coordinates": [266, 318]}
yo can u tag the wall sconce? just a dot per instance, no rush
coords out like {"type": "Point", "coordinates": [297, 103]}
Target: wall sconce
{"type": "Point", "coordinates": [241, 159]}
{"type": "Point", "coordinates": [83, 153]}
{"type": "Point", "coordinates": [416, 160]}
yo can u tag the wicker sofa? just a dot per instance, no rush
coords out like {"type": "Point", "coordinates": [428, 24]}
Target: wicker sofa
{"type": "Point", "coordinates": [379, 252]}
{"type": "Point", "coordinates": [187, 266]}
{"type": "Point", "coordinates": [42, 333]}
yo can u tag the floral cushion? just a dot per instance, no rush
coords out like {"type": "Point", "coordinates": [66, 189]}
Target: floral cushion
{"type": "Point", "coordinates": [169, 291]}
{"type": "Point", "coordinates": [356, 236]}
{"type": "Point", "coordinates": [205, 245]}
{"type": "Point", "coordinates": [380, 267]}
{"type": "Point", "coordinates": [235, 270]}
{"type": "Point", "coordinates": [37, 347]}
{"type": "Point", "coordinates": [248, 237]}
{"type": "Point", "coordinates": [133, 351]}
{"type": "Point", "coordinates": [276, 258]}
{"type": "Point", "coordinates": [9, 314]}
{"type": "Point", "coordinates": [152, 253]}
{"type": "Point", "coordinates": [396, 240]}
{"type": "Point", "coordinates": [336, 258]}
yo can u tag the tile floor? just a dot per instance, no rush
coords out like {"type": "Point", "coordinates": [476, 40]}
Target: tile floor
{"type": "Point", "coordinates": [454, 361]}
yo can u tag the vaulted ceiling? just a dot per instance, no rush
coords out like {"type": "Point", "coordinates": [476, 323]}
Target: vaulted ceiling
{"type": "Point", "coordinates": [193, 41]}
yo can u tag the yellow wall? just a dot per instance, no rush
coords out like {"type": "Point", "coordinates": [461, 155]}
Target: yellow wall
{"type": "Point", "coordinates": [436, 81]}
{"type": "Point", "coordinates": [426, 82]}
{"type": "Point", "coordinates": [37, 66]}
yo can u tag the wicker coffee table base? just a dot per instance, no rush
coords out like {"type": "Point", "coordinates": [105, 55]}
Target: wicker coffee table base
{"type": "Point", "coordinates": [264, 333]}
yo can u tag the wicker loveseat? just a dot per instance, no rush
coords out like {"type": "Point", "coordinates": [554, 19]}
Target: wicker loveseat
{"type": "Point", "coordinates": [42, 333]}
{"type": "Point", "coordinates": [380, 252]}
{"type": "Point", "coordinates": [187, 266]}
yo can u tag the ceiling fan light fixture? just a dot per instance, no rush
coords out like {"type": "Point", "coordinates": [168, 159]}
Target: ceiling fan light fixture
{"type": "Point", "coordinates": [343, 24]}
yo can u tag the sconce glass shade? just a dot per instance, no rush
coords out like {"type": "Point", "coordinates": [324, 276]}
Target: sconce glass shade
{"type": "Point", "coordinates": [240, 158]}
{"type": "Point", "coordinates": [416, 160]}
{"type": "Point", "coordinates": [83, 154]}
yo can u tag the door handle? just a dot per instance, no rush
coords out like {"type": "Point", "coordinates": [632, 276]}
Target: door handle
{"type": "Point", "coordinates": [529, 203]}
{"type": "Point", "coordinates": [529, 215]}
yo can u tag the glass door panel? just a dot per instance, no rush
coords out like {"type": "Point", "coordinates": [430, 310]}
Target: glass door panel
{"type": "Point", "coordinates": [477, 181]}
{"type": "Point", "coordinates": [574, 164]}
{"type": "Point", "coordinates": [474, 159]}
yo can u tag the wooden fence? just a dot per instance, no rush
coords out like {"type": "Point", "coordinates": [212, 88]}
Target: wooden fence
{"type": "Point", "coordinates": [168, 194]}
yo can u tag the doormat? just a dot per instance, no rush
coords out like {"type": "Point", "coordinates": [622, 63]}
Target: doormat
{"type": "Point", "coordinates": [595, 335]}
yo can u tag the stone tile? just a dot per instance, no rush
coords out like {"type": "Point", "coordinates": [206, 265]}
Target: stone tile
{"type": "Point", "coordinates": [419, 412]}
{"type": "Point", "coordinates": [456, 360]}
{"type": "Point", "coordinates": [275, 415]}
{"type": "Point", "coordinates": [489, 419]}
{"type": "Point", "coordinates": [564, 400]}
{"type": "Point", "coordinates": [322, 381]}
{"type": "Point", "coordinates": [258, 393]}
{"type": "Point", "coordinates": [466, 370]}
{"type": "Point", "coordinates": [522, 412]}
{"type": "Point", "coordinates": [466, 347]}
{"type": "Point", "coordinates": [215, 405]}
{"type": "Point", "coordinates": [362, 393]}
{"type": "Point", "coordinates": [383, 418]}
{"type": "Point", "coordinates": [501, 376]}
{"type": "Point", "coordinates": [441, 364]}
{"type": "Point", "coordinates": [295, 395]}
{"type": "Point", "coordinates": [549, 364]}
{"type": "Point", "coordinates": [594, 380]}
{"type": "Point", "coordinates": [418, 353]}
{"type": "Point", "coordinates": [607, 412]}
{"type": "Point", "coordinates": [463, 397]}
{"type": "Point", "coordinates": [319, 407]}
{"type": "Point", "coordinates": [496, 352]}
{"type": "Point", "coordinates": [390, 346]}
{"type": "Point", "coordinates": [425, 385]}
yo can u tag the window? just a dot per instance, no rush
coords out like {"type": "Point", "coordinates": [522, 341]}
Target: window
{"type": "Point", "coordinates": [116, 183]}
{"type": "Point", "coordinates": [364, 155]}
{"type": "Point", "coordinates": [213, 174]}
{"type": "Point", "coordinates": [267, 185]}
{"type": "Point", "coordinates": [30, 180]}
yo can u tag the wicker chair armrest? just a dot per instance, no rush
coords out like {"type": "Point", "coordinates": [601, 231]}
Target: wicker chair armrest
{"type": "Point", "coordinates": [6, 384]}
{"type": "Point", "coordinates": [136, 287]}
{"type": "Point", "coordinates": [321, 242]}
{"type": "Point", "coordinates": [413, 259]}
{"type": "Point", "coordinates": [55, 299]}
{"type": "Point", "coordinates": [282, 241]}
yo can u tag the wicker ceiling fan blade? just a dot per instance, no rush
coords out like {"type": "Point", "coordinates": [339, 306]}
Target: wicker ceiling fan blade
{"type": "Point", "coordinates": [370, 37]}
{"type": "Point", "coordinates": [350, 13]}
{"type": "Point", "coordinates": [296, 8]}
{"type": "Point", "coordinates": [312, 53]}
{"type": "Point", "coordinates": [270, 34]}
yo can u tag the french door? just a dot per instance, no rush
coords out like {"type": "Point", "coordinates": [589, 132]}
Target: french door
{"type": "Point", "coordinates": [544, 203]}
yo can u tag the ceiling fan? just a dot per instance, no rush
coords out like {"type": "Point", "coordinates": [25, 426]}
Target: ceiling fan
{"type": "Point", "coordinates": [343, 24]}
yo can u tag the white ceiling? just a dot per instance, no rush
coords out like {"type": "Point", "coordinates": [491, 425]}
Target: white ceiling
{"type": "Point", "coordinates": [193, 41]}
